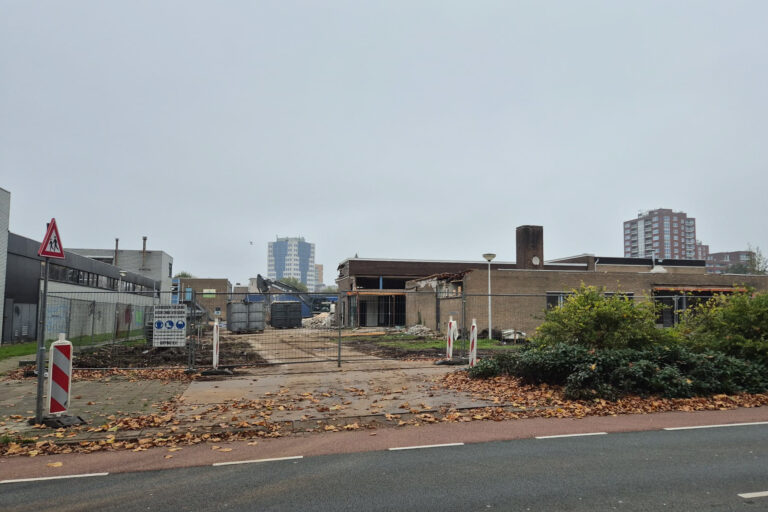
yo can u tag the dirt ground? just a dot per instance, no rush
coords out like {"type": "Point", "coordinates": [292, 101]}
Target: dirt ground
{"type": "Point", "coordinates": [238, 353]}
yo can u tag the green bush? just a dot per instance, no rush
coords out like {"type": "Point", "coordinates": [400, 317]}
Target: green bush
{"type": "Point", "coordinates": [590, 319]}
{"type": "Point", "coordinates": [486, 368]}
{"type": "Point", "coordinates": [674, 372]}
{"type": "Point", "coordinates": [735, 325]}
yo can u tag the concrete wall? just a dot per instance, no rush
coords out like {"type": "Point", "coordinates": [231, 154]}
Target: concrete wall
{"type": "Point", "coordinates": [5, 213]}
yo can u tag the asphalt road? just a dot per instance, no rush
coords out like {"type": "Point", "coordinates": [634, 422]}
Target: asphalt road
{"type": "Point", "coordinates": [699, 469]}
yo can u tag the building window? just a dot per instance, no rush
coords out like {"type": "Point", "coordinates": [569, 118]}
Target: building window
{"type": "Point", "coordinates": [556, 299]}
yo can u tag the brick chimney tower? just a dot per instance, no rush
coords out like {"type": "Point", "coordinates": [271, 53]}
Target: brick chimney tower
{"type": "Point", "coordinates": [530, 247]}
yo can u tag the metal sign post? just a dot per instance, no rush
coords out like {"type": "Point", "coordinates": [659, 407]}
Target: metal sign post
{"type": "Point", "coordinates": [51, 247]}
{"type": "Point", "coordinates": [40, 361]}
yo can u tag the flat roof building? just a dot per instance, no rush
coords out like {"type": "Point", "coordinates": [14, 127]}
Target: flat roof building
{"type": "Point", "coordinates": [153, 264]}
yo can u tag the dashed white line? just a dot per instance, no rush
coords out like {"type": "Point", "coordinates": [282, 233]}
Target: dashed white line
{"type": "Point", "coordinates": [424, 446]}
{"type": "Point", "coordinates": [719, 426]}
{"type": "Point", "coordinates": [256, 461]}
{"type": "Point", "coordinates": [83, 475]}
{"type": "Point", "coordinates": [747, 495]}
{"type": "Point", "coordinates": [573, 435]}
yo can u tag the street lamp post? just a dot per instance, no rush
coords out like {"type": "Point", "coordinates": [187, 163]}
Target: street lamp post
{"type": "Point", "coordinates": [489, 257]}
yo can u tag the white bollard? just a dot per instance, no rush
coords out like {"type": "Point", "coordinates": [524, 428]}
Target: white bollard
{"type": "Point", "coordinates": [473, 344]}
{"type": "Point", "coordinates": [216, 344]}
{"type": "Point", "coordinates": [449, 339]}
{"type": "Point", "coordinates": [59, 376]}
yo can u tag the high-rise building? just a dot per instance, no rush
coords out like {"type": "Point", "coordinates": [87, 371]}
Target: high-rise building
{"type": "Point", "coordinates": [292, 257]}
{"type": "Point", "coordinates": [318, 276]}
{"type": "Point", "coordinates": [662, 234]}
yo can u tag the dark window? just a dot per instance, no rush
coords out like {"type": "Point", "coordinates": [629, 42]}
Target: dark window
{"type": "Point", "coordinates": [556, 299]}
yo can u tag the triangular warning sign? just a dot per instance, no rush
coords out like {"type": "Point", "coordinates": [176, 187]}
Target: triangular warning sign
{"type": "Point", "coordinates": [51, 246]}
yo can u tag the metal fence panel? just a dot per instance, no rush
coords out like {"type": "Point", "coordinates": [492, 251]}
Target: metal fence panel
{"type": "Point", "coordinates": [115, 328]}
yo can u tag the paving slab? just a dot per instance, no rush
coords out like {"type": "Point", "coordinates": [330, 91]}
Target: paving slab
{"type": "Point", "coordinates": [94, 401]}
{"type": "Point", "coordinates": [356, 390]}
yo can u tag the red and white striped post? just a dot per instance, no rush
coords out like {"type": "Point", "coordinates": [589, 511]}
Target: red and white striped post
{"type": "Point", "coordinates": [59, 376]}
{"type": "Point", "coordinates": [473, 344]}
{"type": "Point", "coordinates": [216, 345]}
{"type": "Point", "coordinates": [449, 339]}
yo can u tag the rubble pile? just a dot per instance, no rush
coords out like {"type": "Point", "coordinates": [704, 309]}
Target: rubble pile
{"type": "Point", "coordinates": [420, 330]}
{"type": "Point", "coordinates": [322, 320]}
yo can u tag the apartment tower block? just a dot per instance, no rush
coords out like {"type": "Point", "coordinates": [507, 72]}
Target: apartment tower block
{"type": "Point", "coordinates": [661, 233]}
{"type": "Point", "coordinates": [292, 257]}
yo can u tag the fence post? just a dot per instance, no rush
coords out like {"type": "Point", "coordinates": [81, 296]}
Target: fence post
{"type": "Point", "coordinates": [338, 362]}
{"type": "Point", "coordinates": [93, 320]}
{"type": "Point", "coordinates": [69, 318]}
{"type": "Point", "coordinates": [463, 333]}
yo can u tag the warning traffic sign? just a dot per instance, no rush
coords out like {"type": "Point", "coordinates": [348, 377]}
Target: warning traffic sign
{"type": "Point", "coordinates": [51, 246]}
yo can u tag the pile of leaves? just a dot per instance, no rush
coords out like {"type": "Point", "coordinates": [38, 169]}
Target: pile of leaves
{"type": "Point", "coordinates": [172, 374]}
{"type": "Point", "coordinates": [516, 399]}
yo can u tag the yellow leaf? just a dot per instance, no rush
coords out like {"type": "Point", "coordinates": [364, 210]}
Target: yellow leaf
{"type": "Point", "coordinates": [55, 464]}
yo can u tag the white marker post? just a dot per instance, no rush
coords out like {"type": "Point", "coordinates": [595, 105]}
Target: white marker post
{"type": "Point", "coordinates": [473, 344]}
{"type": "Point", "coordinates": [216, 345]}
{"type": "Point", "coordinates": [449, 339]}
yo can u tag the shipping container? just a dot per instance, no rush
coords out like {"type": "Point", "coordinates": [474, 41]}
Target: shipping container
{"type": "Point", "coordinates": [245, 317]}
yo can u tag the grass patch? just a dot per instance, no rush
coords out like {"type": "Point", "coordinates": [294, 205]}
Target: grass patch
{"type": "Point", "coordinates": [424, 344]}
{"type": "Point", "coordinates": [30, 348]}
{"type": "Point", "coordinates": [18, 349]}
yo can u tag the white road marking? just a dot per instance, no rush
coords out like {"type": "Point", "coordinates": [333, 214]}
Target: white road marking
{"type": "Point", "coordinates": [573, 435]}
{"type": "Point", "coordinates": [84, 475]}
{"type": "Point", "coordinates": [424, 446]}
{"type": "Point", "coordinates": [256, 461]}
{"type": "Point", "coordinates": [748, 495]}
{"type": "Point", "coordinates": [719, 426]}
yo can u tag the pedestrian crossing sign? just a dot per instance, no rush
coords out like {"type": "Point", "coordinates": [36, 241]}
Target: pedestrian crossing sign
{"type": "Point", "coordinates": [51, 246]}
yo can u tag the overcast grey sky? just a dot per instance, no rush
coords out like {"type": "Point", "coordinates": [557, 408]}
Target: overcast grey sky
{"type": "Point", "coordinates": [398, 129]}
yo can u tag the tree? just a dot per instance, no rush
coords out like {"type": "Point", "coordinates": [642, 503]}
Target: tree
{"type": "Point", "coordinates": [184, 274]}
{"type": "Point", "coordinates": [757, 263]}
{"type": "Point", "coordinates": [292, 281]}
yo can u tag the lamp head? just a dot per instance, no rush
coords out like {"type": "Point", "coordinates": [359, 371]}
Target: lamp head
{"type": "Point", "coordinates": [489, 256]}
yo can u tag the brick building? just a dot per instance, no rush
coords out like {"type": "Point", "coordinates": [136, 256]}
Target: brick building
{"type": "Point", "coordinates": [409, 292]}
{"type": "Point", "coordinates": [721, 262]}
{"type": "Point", "coordinates": [208, 293]}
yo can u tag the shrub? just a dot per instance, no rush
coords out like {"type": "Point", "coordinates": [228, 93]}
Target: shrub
{"type": "Point", "coordinates": [735, 325]}
{"type": "Point", "coordinates": [673, 372]}
{"type": "Point", "coordinates": [486, 368]}
{"type": "Point", "coordinates": [590, 319]}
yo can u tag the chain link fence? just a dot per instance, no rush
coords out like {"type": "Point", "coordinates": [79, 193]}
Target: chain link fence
{"type": "Point", "coordinates": [116, 329]}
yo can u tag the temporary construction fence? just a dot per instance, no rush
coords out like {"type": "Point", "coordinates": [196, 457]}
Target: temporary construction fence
{"type": "Point", "coordinates": [112, 329]}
